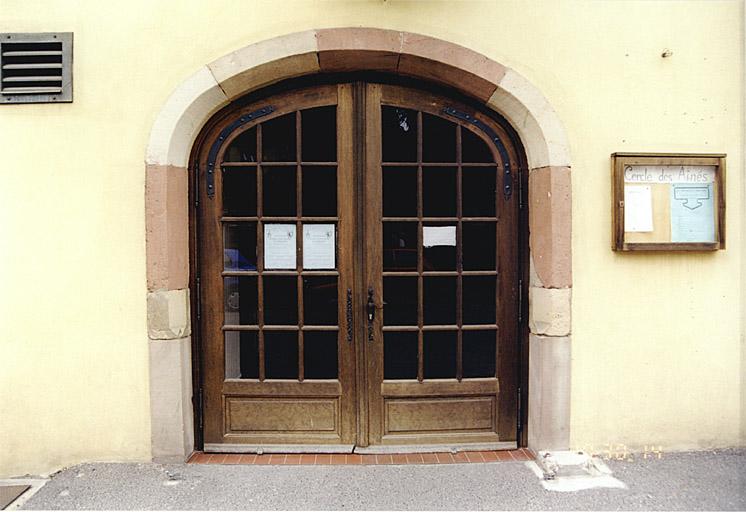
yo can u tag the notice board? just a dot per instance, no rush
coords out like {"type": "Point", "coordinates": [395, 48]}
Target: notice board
{"type": "Point", "coordinates": [668, 202]}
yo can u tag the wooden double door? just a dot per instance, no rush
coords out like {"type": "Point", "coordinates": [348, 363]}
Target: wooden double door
{"type": "Point", "coordinates": [358, 272]}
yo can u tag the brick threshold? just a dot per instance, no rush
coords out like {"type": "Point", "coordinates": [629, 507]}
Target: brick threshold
{"type": "Point", "coordinates": [313, 459]}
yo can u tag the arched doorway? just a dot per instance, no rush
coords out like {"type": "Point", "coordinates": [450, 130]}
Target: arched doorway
{"type": "Point", "coordinates": [491, 84]}
{"type": "Point", "coordinates": [360, 271]}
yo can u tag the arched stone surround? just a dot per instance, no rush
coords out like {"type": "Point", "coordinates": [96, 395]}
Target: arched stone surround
{"type": "Point", "coordinates": [355, 49]}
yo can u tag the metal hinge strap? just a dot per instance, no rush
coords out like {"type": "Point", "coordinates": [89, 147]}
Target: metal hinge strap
{"type": "Point", "coordinates": [521, 202]}
{"type": "Point", "coordinates": [507, 172]}
{"type": "Point", "coordinates": [520, 412]}
{"type": "Point", "coordinates": [201, 408]}
{"type": "Point", "coordinates": [520, 300]}
{"type": "Point", "coordinates": [212, 156]}
{"type": "Point", "coordinates": [198, 290]}
{"type": "Point", "coordinates": [196, 184]}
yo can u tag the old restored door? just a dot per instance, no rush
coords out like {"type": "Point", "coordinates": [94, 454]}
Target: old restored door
{"type": "Point", "coordinates": [441, 229]}
{"type": "Point", "coordinates": [358, 272]}
{"type": "Point", "coordinates": [276, 228]}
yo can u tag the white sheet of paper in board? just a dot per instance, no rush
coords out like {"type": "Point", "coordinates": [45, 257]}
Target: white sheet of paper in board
{"type": "Point", "coordinates": [433, 236]}
{"type": "Point", "coordinates": [318, 246]}
{"type": "Point", "coordinates": [279, 246]}
{"type": "Point", "coordinates": [638, 209]}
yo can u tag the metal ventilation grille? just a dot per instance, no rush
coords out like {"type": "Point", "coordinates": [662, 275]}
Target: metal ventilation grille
{"type": "Point", "coordinates": [35, 68]}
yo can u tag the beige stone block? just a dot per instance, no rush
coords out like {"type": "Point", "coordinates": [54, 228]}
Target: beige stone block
{"type": "Point", "coordinates": [181, 118]}
{"type": "Point", "coordinates": [168, 314]}
{"type": "Point", "coordinates": [266, 62]}
{"type": "Point", "coordinates": [549, 311]}
{"type": "Point", "coordinates": [172, 425]}
{"type": "Point", "coordinates": [550, 225]}
{"type": "Point", "coordinates": [166, 227]}
{"type": "Point", "coordinates": [549, 368]}
{"type": "Point", "coordinates": [524, 123]}
{"type": "Point", "coordinates": [538, 124]}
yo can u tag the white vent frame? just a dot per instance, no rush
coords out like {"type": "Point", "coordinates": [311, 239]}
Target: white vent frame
{"type": "Point", "coordinates": [60, 91]}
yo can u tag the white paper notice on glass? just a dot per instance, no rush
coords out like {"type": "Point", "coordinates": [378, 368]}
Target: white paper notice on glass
{"type": "Point", "coordinates": [279, 246]}
{"type": "Point", "coordinates": [638, 209]}
{"type": "Point", "coordinates": [433, 236]}
{"type": "Point", "coordinates": [318, 246]}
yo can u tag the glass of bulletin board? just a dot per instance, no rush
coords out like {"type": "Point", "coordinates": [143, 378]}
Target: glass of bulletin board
{"type": "Point", "coordinates": [668, 202]}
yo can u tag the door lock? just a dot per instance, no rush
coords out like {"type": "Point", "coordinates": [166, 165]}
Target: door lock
{"type": "Point", "coordinates": [371, 306]}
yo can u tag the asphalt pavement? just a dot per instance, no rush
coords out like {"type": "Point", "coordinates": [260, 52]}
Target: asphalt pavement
{"type": "Point", "coordinates": [677, 481]}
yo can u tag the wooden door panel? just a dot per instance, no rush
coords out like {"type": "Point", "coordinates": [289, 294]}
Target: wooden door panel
{"type": "Point", "coordinates": [270, 333]}
{"type": "Point", "coordinates": [442, 366]}
{"type": "Point", "coordinates": [281, 415]}
{"type": "Point", "coordinates": [439, 415]}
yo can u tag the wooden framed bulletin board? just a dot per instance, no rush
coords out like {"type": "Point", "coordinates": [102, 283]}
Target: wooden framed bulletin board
{"type": "Point", "coordinates": [668, 202]}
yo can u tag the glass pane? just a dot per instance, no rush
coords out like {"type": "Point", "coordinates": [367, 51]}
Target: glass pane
{"type": "Point", "coordinates": [320, 355]}
{"type": "Point", "coordinates": [474, 148]}
{"type": "Point", "coordinates": [479, 190]}
{"type": "Point", "coordinates": [320, 300]}
{"type": "Point", "coordinates": [399, 191]}
{"type": "Point", "coordinates": [280, 300]}
{"type": "Point", "coordinates": [279, 191]}
{"type": "Point", "coordinates": [438, 139]}
{"type": "Point", "coordinates": [319, 132]}
{"type": "Point", "coordinates": [439, 298]}
{"type": "Point", "coordinates": [239, 191]}
{"type": "Point", "coordinates": [243, 148]}
{"type": "Point", "coordinates": [239, 241]}
{"type": "Point", "coordinates": [439, 349]}
{"type": "Point", "coordinates": [437, 256]}
{"type": "Point", "coordinates": [241, 355]}
{"type": "Point", "coordinates": [280, 355]}
{"type": "Point", "coordinates": [278, 139]}
{"type": "Point", "coordinates": [399, 127]}
{"type": "Point", "coordinates": [240, 300]}
{"type": "Point", "coordinates": [320, 191]}
{"type": "Point", "coordinates": [439, 191]}
{"type": "Point", "coordinates": [400, 355]}
{"type": "Point", "coordinates": [478, 351]}
{"type": "Point", "coordinates": [479, 299]}
{"type": "Point", "coordinates": [479, 245]}
{"type": "Point", "coordinates": [399, 246]}
{"type": "Point", "coordinates": [400, 301]}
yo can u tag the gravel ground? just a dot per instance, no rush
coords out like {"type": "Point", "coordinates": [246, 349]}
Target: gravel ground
{"type": "Point", "coordinates": [679, 481]}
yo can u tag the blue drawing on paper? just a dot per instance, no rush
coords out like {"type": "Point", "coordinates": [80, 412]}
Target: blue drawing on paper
{"type": "Point", "coordinates": [692, 212]}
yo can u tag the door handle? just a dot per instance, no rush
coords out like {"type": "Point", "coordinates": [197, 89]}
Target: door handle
{"type": "Point", "coordinates": [371, 309]}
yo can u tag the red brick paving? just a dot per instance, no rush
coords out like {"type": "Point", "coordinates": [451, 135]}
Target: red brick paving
{"type": "Point", "coordinates": [414, 458]}
{"type": "Point", "coordinates": [480, 457]}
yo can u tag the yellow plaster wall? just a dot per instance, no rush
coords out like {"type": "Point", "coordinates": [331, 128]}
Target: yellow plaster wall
{"type": "Point", "coordinates": [656, 338]}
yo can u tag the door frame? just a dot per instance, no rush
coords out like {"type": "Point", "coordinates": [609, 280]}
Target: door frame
{"type": "Point", "coordinates": [357, 84]}
{"type": "Point", "coordinates": [250, 68]}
